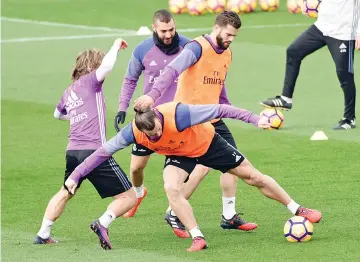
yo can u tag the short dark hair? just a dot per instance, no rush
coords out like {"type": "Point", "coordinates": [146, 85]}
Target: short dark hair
{"type": "Point", "coordinates": [145, 119]}
{"type": "Point", "coordinates": [163, 16]}
{"type": "Point", "coordinates": [228, 18]}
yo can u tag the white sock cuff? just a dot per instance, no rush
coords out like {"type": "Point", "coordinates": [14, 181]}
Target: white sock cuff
{"type": "Point", "coordinates": [47, 222]}
{"type": "Point", "coordinates": [111, 213]}
{"type": "Point", "coordinates": [229, 198]}
{"type": "Point", "coordinates": [195, 232]}
{"type": "Point", "coordinates": [293, 206]}
{"type": "Point", "coordinates": [287, 99]}
{"type": "Point", "coordinates": [139, 191]}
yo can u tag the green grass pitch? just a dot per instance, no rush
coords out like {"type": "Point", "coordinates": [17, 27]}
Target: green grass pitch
{"type": "Point", "coordinates": [318, 174]}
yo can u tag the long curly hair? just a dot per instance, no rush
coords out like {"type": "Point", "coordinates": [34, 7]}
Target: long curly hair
{"type": "Point", "coordinates": [86, 62]}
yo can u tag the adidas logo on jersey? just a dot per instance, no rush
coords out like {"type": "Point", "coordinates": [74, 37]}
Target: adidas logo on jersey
{"type": "Point", "coordinates": [73, 101]}
{"type": "Point", "coordinates": [342, 48]}
{"type": "Point", "coordinates": [153, 63]}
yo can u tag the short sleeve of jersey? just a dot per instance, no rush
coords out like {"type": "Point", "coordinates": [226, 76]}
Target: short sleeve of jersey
{"type": "Point", "coordinates": [90, 80]}
{"type": "Point", "coordinates": [61, 104]}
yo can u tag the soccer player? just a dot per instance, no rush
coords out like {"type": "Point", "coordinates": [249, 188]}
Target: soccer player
{"type": "Point", "coordinates": [149, 57]}
{"type": "Point", "coordinates": [183, 134]}
{"type": "Point", "coordinates": [202, 68]}
{"type": "Point", "coordinates": [83, 105]}
{"type": "Point", "coordinates": [336, 27]}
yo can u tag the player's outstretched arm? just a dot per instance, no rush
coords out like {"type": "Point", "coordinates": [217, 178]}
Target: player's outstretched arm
{"type": "Point", "coordinates": [122, 140]}
{"type": "Point", "coordinates": [109, 59]}
{"type": "Point", "coordinates": [191, 115]}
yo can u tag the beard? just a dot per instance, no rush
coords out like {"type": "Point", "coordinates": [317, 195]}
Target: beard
{"type": "Point", "coordinates": [220, 42]}
{"type": "Point", "coordinates": [165, 41]}
{"type": "Point", "coordinates": [167, 48]}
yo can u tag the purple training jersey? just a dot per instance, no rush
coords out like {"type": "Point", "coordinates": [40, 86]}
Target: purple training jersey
{"type": "Point", "coordinates": [147, 58]}
{"type": "Point", "coordinates": [84, 102]}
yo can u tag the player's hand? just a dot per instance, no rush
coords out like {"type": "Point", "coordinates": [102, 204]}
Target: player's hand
{"type": "Point", "coordinates": [264, 123]}
{"type": "Point", "coordinates": [143, 102]}
{"type": "Point", "coordinates": [119, 119]}
{"type": "Point", "coordinates": [120, 43]}
{"type": "Point", "coordinates": [71, 185]}
{"type": "Point", "coordinates": [357, 42]}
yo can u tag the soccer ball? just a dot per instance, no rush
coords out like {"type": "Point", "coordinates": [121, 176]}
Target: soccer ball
{"type": "Point", "coordinates": [177, 6]}
{"type": "Point", "coordinates": [274, 116]}
{"type": "Point", "coordinates": [269, 5]}
{"type": "Point", "coordinates": [294, 6]}
{"type": "Point", "coordinates": [241, 6]}
{"type": "Point", "coordinates": [298, 229]}
{"type": "Point", "coordinates": [196, 7]}
{"type": "Point", "coordinates": [311, 8]}
{"type": "Point", "coordinates": [216, 6]}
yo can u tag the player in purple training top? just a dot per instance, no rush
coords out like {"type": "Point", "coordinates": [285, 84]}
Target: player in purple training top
{"type": "Point", "coordinates": [82, 103]}
{"type": "Point", "coordinates": [150, 57]}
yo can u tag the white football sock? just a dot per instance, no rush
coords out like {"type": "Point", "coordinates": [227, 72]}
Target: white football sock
{"type": "Point", "coordinates": [228, 207]}
{"type": "Point", "coordinates": [172, 213]}
{"type": "Point", "coordinates": [139, 191]}
{"type": "Point", "coordinates": [107, 218]}
{"type": "Point", "coordinates": [195, 232]}
{"type": "Point", "coordinates": [45, 229]}
{"type": "Point", "coordinates": [168, 209]}
{"type": "Point", "coordinates": [287, 99]}
{"type": "Point", "coordinates": [293, 206]}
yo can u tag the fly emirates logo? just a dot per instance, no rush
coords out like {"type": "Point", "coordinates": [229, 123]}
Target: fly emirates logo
{"type": "Point", "coordinates": [76, 118]}
{"type": "Point", "coordinates": [214, 79]}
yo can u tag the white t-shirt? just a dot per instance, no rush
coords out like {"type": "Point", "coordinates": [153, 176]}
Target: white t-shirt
{"type": "Point", "coordinates": [339, 19]}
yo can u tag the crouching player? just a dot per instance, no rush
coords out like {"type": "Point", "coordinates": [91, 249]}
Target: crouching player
{"type": "Point", "coordinates": [182, 133]}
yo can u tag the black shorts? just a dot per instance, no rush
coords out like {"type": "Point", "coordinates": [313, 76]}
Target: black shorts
{"type": "Point", "coordinates": [140, 150]}
{"type": "Point", "coordinates": [108, 178]}
{"type": "Point", "coordinates": [221, 156]}
{"type": "Point", "coordinates": [222, 129]}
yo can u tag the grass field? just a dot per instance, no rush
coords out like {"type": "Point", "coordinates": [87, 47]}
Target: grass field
{"type": "Point", "coordinates": [320, 174]}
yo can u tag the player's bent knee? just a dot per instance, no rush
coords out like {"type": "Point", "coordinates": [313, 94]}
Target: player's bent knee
{"type": "Point", "coordinates": [257, 179]}
{"type": "Point", "coordinates": [138, 169]}
{"type": "Point", "coordinates": [293, 51]}
{"type": "Point", "coordinates": [64, 194]}
{"type": "Point", "coordinates": [128, 196]}
{"type": "Point", "coordinates": [251, 175]}
{"type": "Point", "coordinates": [173, 191]}
{"type": "Point", "coordinates": [202, 170]}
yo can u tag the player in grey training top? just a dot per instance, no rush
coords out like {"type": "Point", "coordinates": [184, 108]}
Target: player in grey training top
{"type": "Point", "coordinates": [82, 103]}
